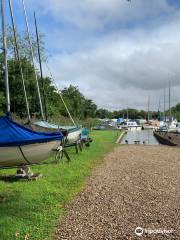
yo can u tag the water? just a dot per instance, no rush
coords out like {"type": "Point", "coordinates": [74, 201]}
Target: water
{"type": "Point", "coordinates": [144, 135]}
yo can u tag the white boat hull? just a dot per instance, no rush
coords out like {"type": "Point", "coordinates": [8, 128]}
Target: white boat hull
{"type": "Point", "coordinates": [73, 136]}
{"type": "Point", "coordinates": [34, 153]}
{"type": "Point", "coordinates": [132, 128]}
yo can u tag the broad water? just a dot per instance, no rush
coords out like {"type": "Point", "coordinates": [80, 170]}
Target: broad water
{"type": "Point", "coordinates": [141, 137]}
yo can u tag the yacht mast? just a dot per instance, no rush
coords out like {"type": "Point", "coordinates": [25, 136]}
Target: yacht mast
{"type": "Point", "coordinates": [19, 60]}
{"type": "Point", "coordinates": [5, 59]}
{"type": "Point", "coordinates": [33, 60]}
{"type": "Point", "coordinates": [164, 104]}
{"type": "Point", "coordinates": [148, 108]}
{"type": "Point", "coordinates": [159, 110]}
{"type": "Point", "coordinates": [169, 101]}
{"type": "Point", "coordinates": [40, 66]}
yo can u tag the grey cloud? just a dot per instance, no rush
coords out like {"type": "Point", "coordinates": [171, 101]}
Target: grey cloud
{"type": "Point", "coordinates": [122, 67]}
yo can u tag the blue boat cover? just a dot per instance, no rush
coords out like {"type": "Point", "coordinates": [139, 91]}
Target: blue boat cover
{"type": "Point", "coordinates": [45, 124]}
{"type": "Point", "coordinates": [14, 134]}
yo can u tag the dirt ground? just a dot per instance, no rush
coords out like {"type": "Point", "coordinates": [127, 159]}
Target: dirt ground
{"type": "Point", "coordinates": [136, 186]}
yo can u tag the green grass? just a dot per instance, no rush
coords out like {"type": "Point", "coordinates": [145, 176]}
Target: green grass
{"type": "Point", "coordinates": [34, 207]}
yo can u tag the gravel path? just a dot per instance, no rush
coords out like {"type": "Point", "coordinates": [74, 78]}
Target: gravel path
{"type": "Point", "coordinates": [137, 186]}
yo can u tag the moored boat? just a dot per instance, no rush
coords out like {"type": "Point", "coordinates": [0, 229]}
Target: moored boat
{"type": "Point", "coordinates": [165, 137]}
{"type": "Point", "coordinates": [131, 126]}
{"type": "Point", "coordinates": [169, 135]}
{"type": "Point", "coordinates": [73, 132]}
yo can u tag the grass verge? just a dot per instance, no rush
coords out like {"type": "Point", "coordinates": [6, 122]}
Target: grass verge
{"type": "Point", "coordinates": [30, 210]}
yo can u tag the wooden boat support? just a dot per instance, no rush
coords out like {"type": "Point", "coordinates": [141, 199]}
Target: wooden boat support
{"type": "Point", "coordinates": [22, 173]}
{"type": "Point", "coordinates": [77, 145]}
{"type": "Point", "coordinates": [25, 173]}
{"type": "Point", "coordinates": [60, 152]}
{"type": "Point", "coordinates": [61, 149]}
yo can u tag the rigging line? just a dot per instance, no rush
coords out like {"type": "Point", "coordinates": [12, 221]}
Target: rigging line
{"type": "Point", "coordinates": [33, 59]}
{"type": "Point", "coordinates": [60, 93]}
{"type": "Point", "coordinates": [24, 155]}
{"type": "Point", "coordinates": [40, 66]}
{"type": "Point", "coordinates": [19, 60]}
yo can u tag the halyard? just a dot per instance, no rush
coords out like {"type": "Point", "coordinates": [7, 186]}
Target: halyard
{"type": "Point", "coordinates": [31, 209]}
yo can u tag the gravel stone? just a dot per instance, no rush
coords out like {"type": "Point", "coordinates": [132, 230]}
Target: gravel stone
{"type": "Point", "coordinates": [136, 186]}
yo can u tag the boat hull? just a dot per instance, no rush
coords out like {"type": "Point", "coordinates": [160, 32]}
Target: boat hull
{"type": "Point", "coordinates": [138, 128]}
{"type": "Point", "coordinates": [34, 153]}
{"type": "Point", "coordinates": [71, 139]}
{"type": "Point", "coordinates": [168, 138]}
{"type": "Point", "coordinates": [73, 136]}
{"type": "Point", "coordinates": [149, 127]}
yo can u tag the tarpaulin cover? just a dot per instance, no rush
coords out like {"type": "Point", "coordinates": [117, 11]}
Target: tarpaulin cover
{"type": "Point", "coordinates": [45, 124]}
{"type": "Point", "coordinates": [14, 134]}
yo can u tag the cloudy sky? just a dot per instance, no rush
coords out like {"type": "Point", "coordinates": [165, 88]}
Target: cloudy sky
{"type": "Point", "coordinates": [117, 52]}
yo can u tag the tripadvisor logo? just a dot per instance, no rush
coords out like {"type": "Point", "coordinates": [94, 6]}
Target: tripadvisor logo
{"type": "Point", "coordinates": [139, 231]}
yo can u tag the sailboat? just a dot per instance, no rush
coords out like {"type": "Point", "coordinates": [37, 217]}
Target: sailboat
{"type": "Point", "coordinates": [20, 146]}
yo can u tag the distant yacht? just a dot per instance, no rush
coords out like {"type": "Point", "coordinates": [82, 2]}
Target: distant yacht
{"type": "Point", "coordinates": [131, 126]}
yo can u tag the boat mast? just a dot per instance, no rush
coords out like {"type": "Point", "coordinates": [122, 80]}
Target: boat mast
{"type": "Point", "coordinates": [5, 59]}
{"type": "Point", "coordinates": [159, 110]}
{"type": "Point", "coordinates": [40, 66]}
{"type": "Point", "coordinates": [148, 107]}
{"type": "Point", "coordinates": [19, 60]}
{"type": "Point", "coordinates": [169, 102]}
{"type": "Point", "coordinates": [164, 104]}
{"type": "Point", "coordinates": [33, 60]}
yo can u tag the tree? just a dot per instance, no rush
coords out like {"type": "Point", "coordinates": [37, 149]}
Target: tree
{"type": "Point", "coordinates": [176, 111]}
{"type": "Point", "coordinates": [103, 113]}
{"type": "Point", "coordinates": [79, 106]}
{"type": "Point", "coordinates": [23, 44]}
